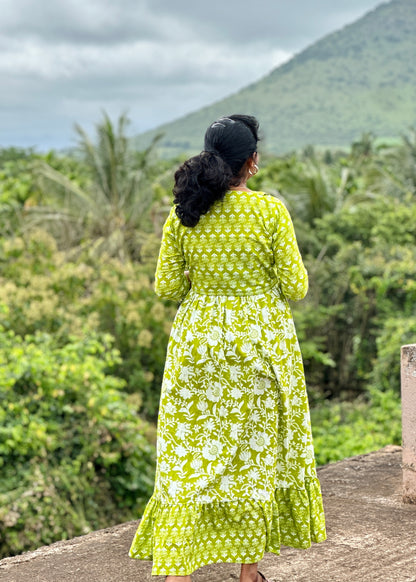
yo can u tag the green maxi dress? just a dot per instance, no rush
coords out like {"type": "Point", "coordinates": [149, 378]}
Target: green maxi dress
{"type": "Point", "coordinates": [235, 472]}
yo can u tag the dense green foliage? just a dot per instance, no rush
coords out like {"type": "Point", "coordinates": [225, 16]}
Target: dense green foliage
{"type": "Point", "coordinates": [46, 292]}
{"type": "Point", "coordinates": [73, 454]}
{"type": "Point", "coordinates": [358, 79]}
{"type": "Point", "coordinates": [343, 428]}
{"type": "Point", "coordinates": [83, 336]}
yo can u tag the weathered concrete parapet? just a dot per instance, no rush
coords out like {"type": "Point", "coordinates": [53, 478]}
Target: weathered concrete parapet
{"type": "Point", "coordinates": [371, 537]}
{"type": "Point", "coordinates": [408, 382]}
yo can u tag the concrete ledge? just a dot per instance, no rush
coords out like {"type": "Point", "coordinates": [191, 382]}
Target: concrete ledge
{"type": "Point", "coordinates": [408, 393]}
{"type": "Point", "coordinates": [371, 538]}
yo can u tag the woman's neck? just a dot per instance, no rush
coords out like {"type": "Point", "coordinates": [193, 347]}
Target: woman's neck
{"type": "Point", "coordinates": [241, 186]}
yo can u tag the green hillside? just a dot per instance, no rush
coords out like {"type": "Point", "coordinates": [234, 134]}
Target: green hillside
{"type": "Point", "coordinates": [359, 79]}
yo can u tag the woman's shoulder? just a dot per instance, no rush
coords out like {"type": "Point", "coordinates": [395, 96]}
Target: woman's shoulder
{"type": "Point", "coordinates": [257, 207]}
{"type": "Point", "coordinates": [259, 195]}
{"type": "Point", "coordinates": [172, 222]}
{"type": "Point", "coordinates": [258, 202]}
{"type": "Point", "coordinates": [267, 201]}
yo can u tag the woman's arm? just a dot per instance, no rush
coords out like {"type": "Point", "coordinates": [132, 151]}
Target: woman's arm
{"type": "Point", "coordinates": [291, 271]}
{"type": "Point", "coordinates": [170, 279]}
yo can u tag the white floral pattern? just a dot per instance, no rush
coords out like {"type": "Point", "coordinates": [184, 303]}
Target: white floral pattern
{"type": "Point", "coordinates": [236, 472]}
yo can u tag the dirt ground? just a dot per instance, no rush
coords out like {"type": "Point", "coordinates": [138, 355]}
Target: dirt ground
{"type": "Point", "coordinates": [371, 538]}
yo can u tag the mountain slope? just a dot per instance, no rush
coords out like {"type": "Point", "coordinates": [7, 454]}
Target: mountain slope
{"type": "Point", "coordinates": [359, 79]}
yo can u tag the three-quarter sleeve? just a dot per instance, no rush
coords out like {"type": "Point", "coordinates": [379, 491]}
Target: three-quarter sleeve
{"type": "Point", "coordinates": [170, 279]}
{"type": "Point", "coordinates": [290, 269]}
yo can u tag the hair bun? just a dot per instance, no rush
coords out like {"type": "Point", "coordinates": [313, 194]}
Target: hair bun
{"type": "Point", "coordinates": [234, 138]}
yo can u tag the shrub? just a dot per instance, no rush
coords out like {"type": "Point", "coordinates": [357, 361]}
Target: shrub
{"type": "Point", "coordinates": [74, 455]}
{"type": "Point", "coordinates": [46, 291]}
{"type": "Point", "coordinates": [343, 429]}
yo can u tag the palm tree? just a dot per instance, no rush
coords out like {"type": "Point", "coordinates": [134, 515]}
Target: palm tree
{"type": "Point", "coordinates": [398, 171]}
{"type": "Point", "coordinates": [111, 213]}
{"type": "Point", "coordinates": [308, 186]}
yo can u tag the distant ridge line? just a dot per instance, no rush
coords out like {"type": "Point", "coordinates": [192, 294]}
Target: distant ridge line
{"type": "Point", "coordinates": [360, 78]}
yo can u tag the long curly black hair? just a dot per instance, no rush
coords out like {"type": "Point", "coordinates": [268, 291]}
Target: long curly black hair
{"type": "Point", "coordinates": [203, 179]}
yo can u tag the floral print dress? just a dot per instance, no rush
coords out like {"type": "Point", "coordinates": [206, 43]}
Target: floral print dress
{"type": "Point", "coordinates": [235, 470]}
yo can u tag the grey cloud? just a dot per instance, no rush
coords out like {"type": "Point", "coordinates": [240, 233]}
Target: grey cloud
{"type": "Point", "coordinates": [65, 61]}
{"type": "Point", "coordinates": [47, 120]}
{"type": "Point", "coordinates": [85, 21]}
{"type": "Point", "coordinates": [290, 25]}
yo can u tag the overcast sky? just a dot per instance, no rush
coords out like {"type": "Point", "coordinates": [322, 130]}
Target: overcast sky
{"type": "Point", "coordinates": [64, 61]}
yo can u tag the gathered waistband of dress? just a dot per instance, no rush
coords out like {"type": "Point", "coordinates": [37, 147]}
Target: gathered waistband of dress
{"type": "Point", "coordinates": [258, 293]}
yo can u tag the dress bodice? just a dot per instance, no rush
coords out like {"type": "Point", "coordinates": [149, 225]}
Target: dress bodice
{"type": "Point", "coordinates": [244, 245]}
